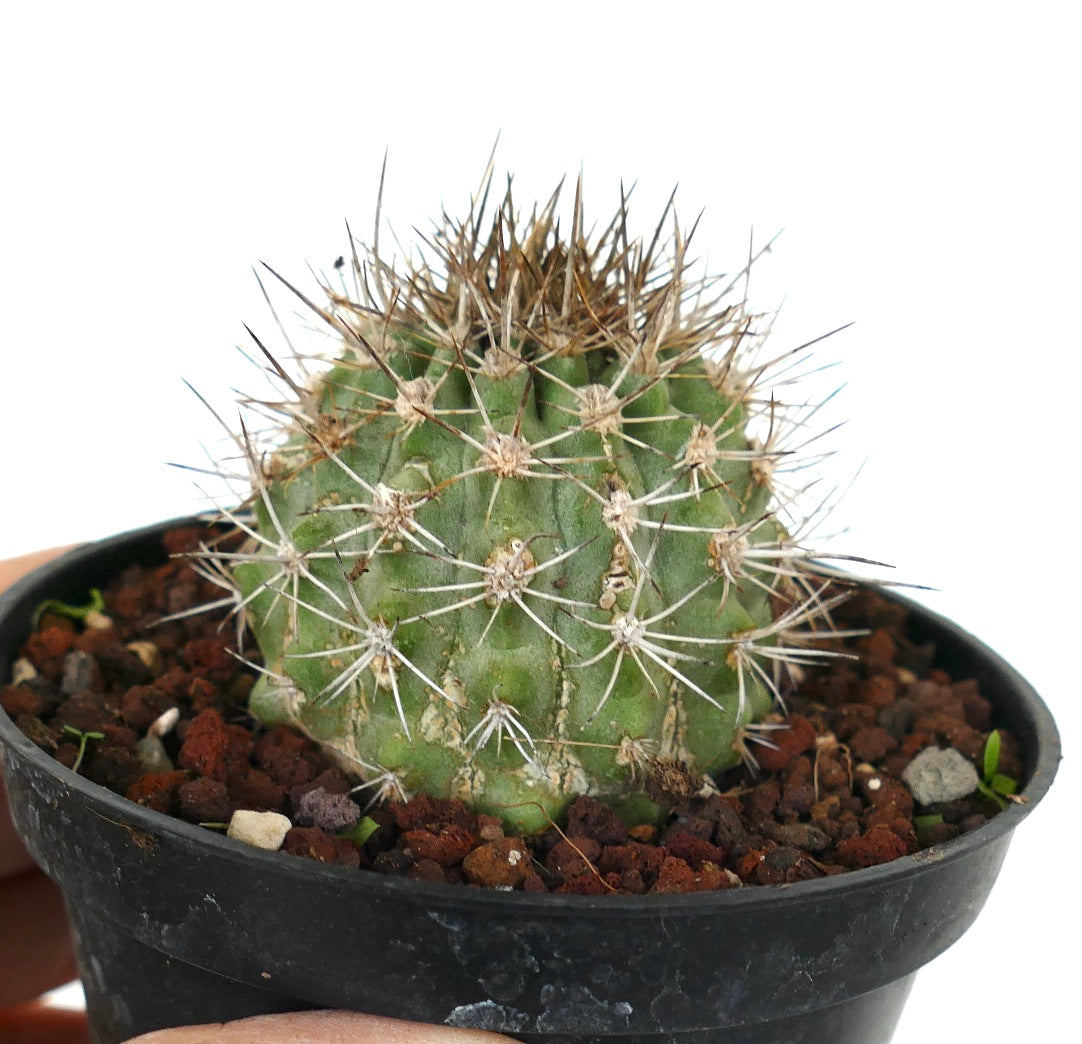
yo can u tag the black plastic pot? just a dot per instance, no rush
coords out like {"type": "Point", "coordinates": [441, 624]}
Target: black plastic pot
{"type": "Point", "coordinates": [175, 925]}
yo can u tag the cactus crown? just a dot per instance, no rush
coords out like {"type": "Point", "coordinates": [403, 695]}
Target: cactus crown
{"type": "Point", "coordinates": [525, 532]}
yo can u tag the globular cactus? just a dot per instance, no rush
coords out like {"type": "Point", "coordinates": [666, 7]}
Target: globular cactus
{"type": "Point", "coordinates": [523, 533]}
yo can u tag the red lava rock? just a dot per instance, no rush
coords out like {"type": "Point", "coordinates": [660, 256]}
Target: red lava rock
{"type": "Point", "coordinates": [241, 743]}
{"type": "Point", "coordinates": [798, 789]}
{"type": "Point", "coordinates": [938, 833]}
{"type": "Point", "coordinates": [852, 717]}
{"type": "Point", "coordinates": [174, 682]}
{"type": "Point", "coordinates": [532, 882]}
{"type": "Point", "coordinates": [332, 780]}
{"type": "Point", "coordinates": [584, 884]}
{"type": "Point", "coordinates": [729, 828]}
{"type": "Point", "coordinates": [630, 881]}
{"type": "Point", "coordinates": [882, 791]}
{"type": "Point", "coordinates": [676, 876]}
{"type": "Point", "coordinates": [117, 736]}
{"type": "Point", "coordinates": [632, 858]}
{"type": "Point", "coordinates": [895, 821]}
{"type": "Point", "coordinates": [425, 812]}
{"type": "Point", "coordinates": [871, 743]}
{"type": "Point", "coordinates": [126, 602]}
{"type": "Point", "coordinates": [879, 845]}
{"type": "Point", "coordinates": [427, 870]}
{"type": "Point", "coordinates": [747, 863]}
{"type": "Point", "coordinates": [254, 789]}
{"type": "Point", "coordinates": [115, 766]}
{"type": "Point", "coordinates": [158, 790]}
{"type": "Point", "coordinates": [833, 768]}
{"type": "Point", "coordinates": [21, 699]}
{"type": "Point", "coordinates": [797, 738]}
{"type": "Point", "coordinates": [971, 822]}
{"type": "Point", "coordinates": [586, 818]}
{"type": "Point", "coordinates": [693, 850]}
{"type": "Point", "coordinates": [978, 710]}
{"type": "Point", "coordinates": [687, 824]}
{"type": "Point", "coordinates": [879, 691]}
{"type": "Point", "coordinates": [573, 857]}
{"type": "Point", "coordinates": [784, 865]}
{"type": "Point", "coordinates": [46, 650]}
{"type": "Point", "coordinates": [84, 711]}
{"type": "Point", "coordinates": [290, 758]}
{"type": "Point", "coordinates": [142, 705]}
{"type": "Point", "coordinates": [489, 828]}
{"type": "Point", "coordinates": [880, 649]}
{"type": "Point", "coordinates": [313, 843]}
{"type": "Point", "coordinates": [837, 685]}
{"type": "Point", "coordinates": [394, 861]}
{"type": "Point", "coordinates": [101, 643]}
{"type": "Point", "coordinates": [204, 800]}
{"type": "Point", "coordinates": [206, 745]}
{"type": "Point", "coordinates": [447, 847]}
{"type": "Point", "coordinates": [209, 658]}
{"type": "Point", "coordinates": [498, 864]}
{"type": "Point", "coordinates": [932, 697]}
{"type": "Point", "coordinates": [760, 802]}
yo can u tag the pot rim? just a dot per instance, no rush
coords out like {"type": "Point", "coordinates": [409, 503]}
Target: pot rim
{"type": "Point", "coordinates": [16, 601]}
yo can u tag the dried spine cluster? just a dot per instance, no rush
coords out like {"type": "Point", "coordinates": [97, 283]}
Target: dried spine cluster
{"type": "Point", "coordinates": [515, 541]}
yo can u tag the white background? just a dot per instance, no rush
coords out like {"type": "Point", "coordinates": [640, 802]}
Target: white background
{"type": "Point", "coordinates": [921, 158]}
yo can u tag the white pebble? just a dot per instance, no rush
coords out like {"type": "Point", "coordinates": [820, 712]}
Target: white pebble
{"type": "Point", "coordinates": [149, 654]}
{"type": "Point", "coordinates": [97, 621]}
{"type": "Point", "coordinates": [22, 670]}
{"type": "Point", "coordinates": [163, 724]}
{"type": "Point", "coordinates": [262, 829]}
{"type": "Point", "coordinates": [936, 775]}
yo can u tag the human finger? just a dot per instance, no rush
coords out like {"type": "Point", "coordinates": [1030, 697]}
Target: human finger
{"type": "Point", "coordinates": [14, 859]}
{"type": "Point", "coordinates": [37, 1023]}
{"type": "Point", "coordinates": [318, 1027]}
{"type": "Point", "coordinates": [11, 569]}
{"type": "Point", "coordinates": [36, 952]}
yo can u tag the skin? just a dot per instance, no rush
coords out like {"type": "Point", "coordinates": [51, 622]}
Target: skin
{"type": "Point", "coordinates": [36, 956]}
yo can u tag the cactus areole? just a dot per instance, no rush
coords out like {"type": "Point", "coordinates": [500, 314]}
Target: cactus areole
{"type": "Point", "coordinates": [525, 532]}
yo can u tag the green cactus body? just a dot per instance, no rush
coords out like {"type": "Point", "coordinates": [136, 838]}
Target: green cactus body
{"type": "Point", "coordinates": [506, 549]}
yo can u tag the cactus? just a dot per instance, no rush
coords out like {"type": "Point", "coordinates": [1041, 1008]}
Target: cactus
{"type": "Point", "coordinates": [525, 532]}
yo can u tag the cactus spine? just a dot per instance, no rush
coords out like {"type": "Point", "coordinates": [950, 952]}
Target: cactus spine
{"type": "Point", "coordinates": [514, 538]}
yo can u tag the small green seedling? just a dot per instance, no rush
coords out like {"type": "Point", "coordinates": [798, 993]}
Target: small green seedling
{"type": "Point", "coordinates": [924, 825]}
{"type": "Point", "coordinates": [366, 826]}
{"type": "Point", "coordinates": [72, 612]}
{"type": "Point", "coordinates": [995, 785]}
{"type": "Point", "coordinates": [84, 738]}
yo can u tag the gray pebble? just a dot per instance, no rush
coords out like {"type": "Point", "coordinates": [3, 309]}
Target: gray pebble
{"type": "Point", "coordinates": [78, 672]}
{"type": "Point", "coordinates": [330, 812]}
{"type": "Point", "coordinates": [936, 775]}
{"type": "Point", "coordinates": [800, 835]}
